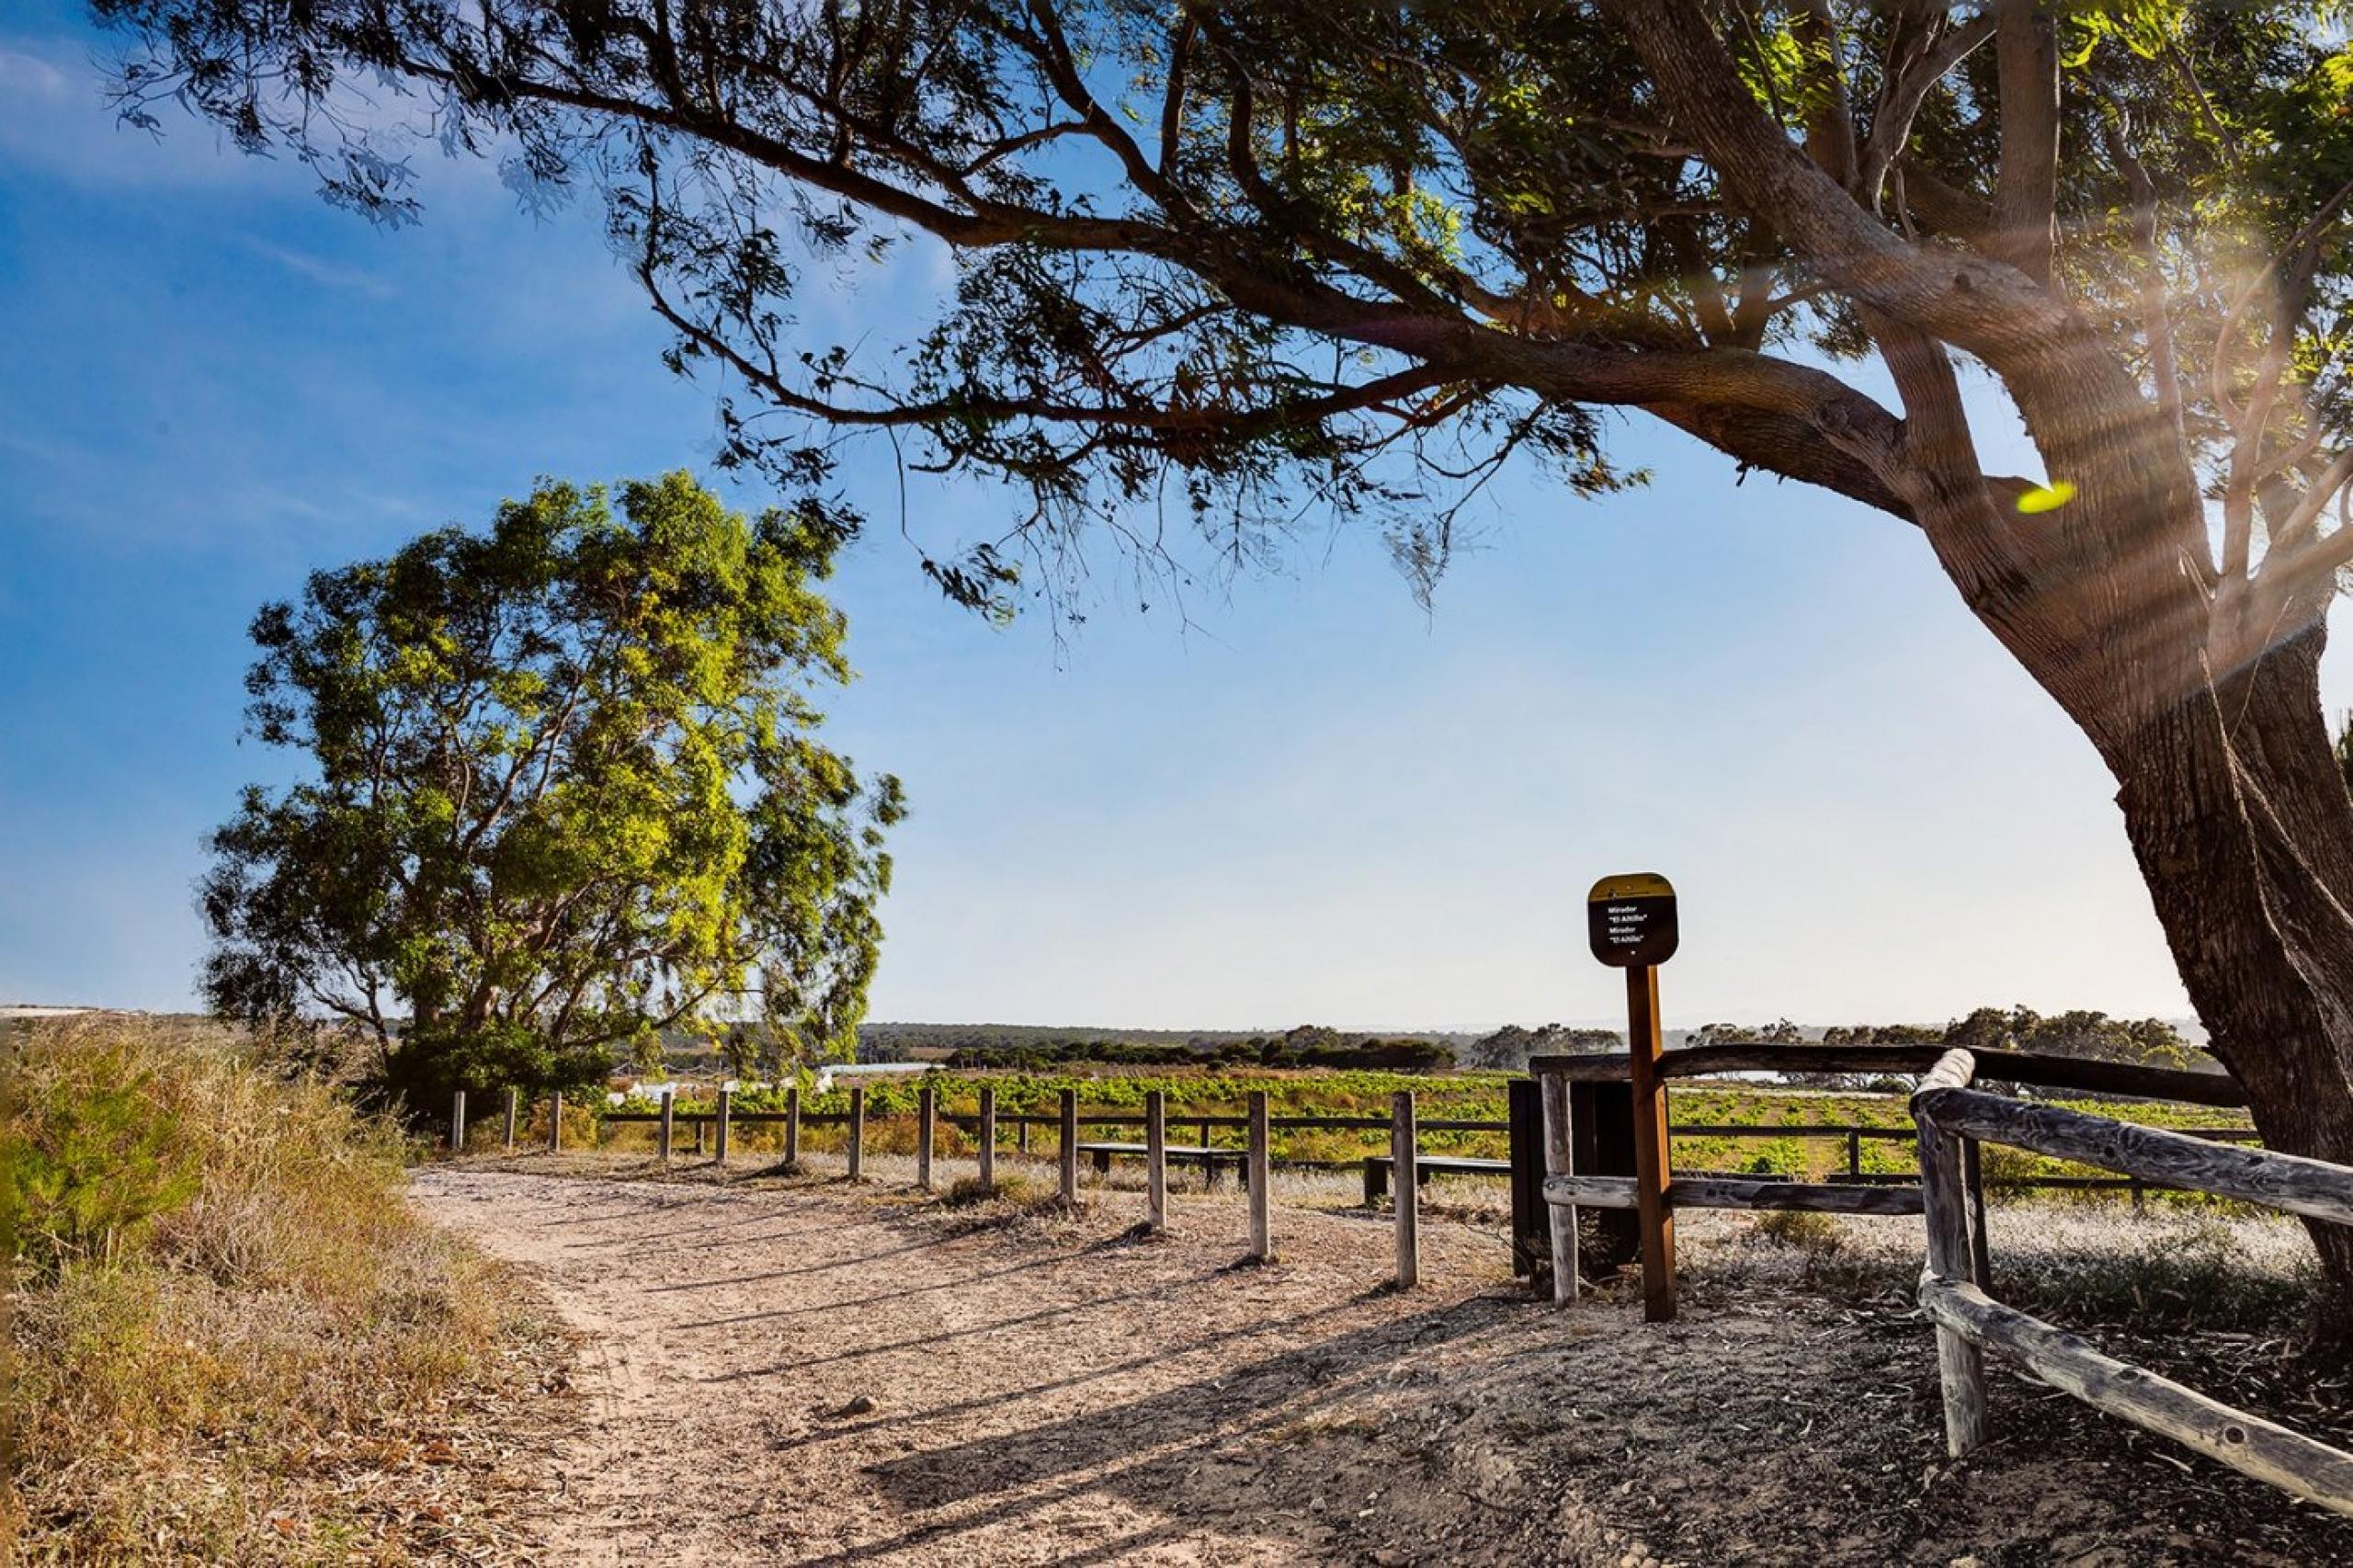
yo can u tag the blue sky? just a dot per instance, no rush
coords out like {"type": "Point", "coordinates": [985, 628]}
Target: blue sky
{"type": "Point", "coordinates": [1314, 803]}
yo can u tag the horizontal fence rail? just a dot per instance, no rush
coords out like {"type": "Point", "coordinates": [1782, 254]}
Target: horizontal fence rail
{"type": "Point", "coordinates": [1952, 1118]}
{"type": "Point", "coordinates": [1735, 1192]}
{"type": "Point", "coordinates": [1899, 1061]}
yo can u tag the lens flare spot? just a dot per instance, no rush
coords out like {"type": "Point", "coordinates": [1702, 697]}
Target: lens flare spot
{"type": "Point", "coordinates": [2047, 497]}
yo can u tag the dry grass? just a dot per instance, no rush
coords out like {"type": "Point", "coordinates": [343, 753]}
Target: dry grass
{"type": "Point", "coordinates": [2080, 1265]}
{"type": "Point", "coordinates": [232, 1339]}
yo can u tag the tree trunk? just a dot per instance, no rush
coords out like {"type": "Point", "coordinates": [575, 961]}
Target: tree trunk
{"type": "Point", "coordinates": [2238, 813]}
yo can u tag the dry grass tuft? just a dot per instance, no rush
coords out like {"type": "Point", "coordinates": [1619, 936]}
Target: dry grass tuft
{"type": "Point", "coordinates": [232, 1340]}
{"type": "Point", "coordinates": [1013, 1190]}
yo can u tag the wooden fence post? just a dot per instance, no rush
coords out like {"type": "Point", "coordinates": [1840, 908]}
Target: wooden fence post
{"type": "Point", "coordinates": [792, 1125]}
{"type": "Point", "coordinates": [1021, 1133]}
{"type": "Point", "coordinates": [1854, 1155]}
{"type": "Point", "coordinates": [1961, 1365]}
{"type": "Point", "coordinates": [856, 1129]}
{"type": "Point", "coordinates": [1653, 1169]}
{"type": "Point", "coordinates": [926, 1129]}
{"type": "Point", "coordinates": [555, 1122]}
{"type": "Point", "coordinates": [988, 1138]}
{"type": "Point", "coordinates": [458, 1122]}
{"type": "Point", "coordinates": [1980, 1247]}
{"type": "Point", "coordinates": [1070, 1148]}
{"type": "Point", "coordinates": [726, 1105]}
{"type": "Point", "coordinates": [1155, 1160]}
{"type": "Point", "coordinates": [1559, 1159]}
{"type": "Point", "coordinates": [670, 1107]}
{"type": "Point", "coordinates": [701, 1122]}
{"type": "Point", "coordinates": [514, 1101]}
{"type": "Point", "coordinates": [1258, 1175]}
{"type": "Point", "coordinates": [1407, 1186]}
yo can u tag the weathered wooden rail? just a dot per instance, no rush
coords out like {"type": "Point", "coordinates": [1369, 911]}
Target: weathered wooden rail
{"type": "Point", "coordinates": [1628, 1169]}
{"type": "Point", "coordinates": [1952, 1118]}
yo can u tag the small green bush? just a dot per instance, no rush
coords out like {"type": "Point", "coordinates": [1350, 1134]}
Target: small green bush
{"type": "Point", "coordinates": [86, 1167]}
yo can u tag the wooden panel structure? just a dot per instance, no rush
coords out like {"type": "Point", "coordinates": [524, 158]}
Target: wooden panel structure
{"type": "Point", "coordinates": [1601, 1143]}
{"type": "Point", "coordinates": [1529, 1247]}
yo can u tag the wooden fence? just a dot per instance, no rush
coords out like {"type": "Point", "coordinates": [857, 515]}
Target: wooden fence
{"type": "Point", "coordinates": [1589, 1184]}
{"type": "Point", "coordinates": [1953, 1119]}
{"type": "Point", "coordinates": [1258, 1127]}
{"type": "Point", "coordinates": [1631, 1174]}
{"type": "Point", "coordinates": [1950, 1121]}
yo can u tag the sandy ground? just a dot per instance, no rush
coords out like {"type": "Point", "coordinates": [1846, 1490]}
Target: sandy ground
{"type": "Point", "coordinates": [811, 1373]}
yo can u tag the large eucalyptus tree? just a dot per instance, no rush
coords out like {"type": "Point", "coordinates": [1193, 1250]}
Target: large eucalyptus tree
{"type": "Point", "coordinates": [1360, 253]}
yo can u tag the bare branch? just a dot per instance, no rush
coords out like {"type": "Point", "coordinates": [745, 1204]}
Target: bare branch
{"type": "Point", "coordinates": [1900, 101]}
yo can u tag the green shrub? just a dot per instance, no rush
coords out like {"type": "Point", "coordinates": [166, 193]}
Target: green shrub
{"type": "Point", "coordinates": [91, 1160]}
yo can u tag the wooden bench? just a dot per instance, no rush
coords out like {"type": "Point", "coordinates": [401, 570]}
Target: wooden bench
{"type": "Point", "coordinates": [1209, 1159]}
{"type": "Point", "coordinates": [1377, 1168]}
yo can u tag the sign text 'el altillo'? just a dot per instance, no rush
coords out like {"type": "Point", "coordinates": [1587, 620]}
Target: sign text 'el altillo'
{"type": "Point", "coordinates": [1630, 920]}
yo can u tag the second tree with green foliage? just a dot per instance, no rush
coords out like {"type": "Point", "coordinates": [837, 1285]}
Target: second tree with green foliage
{"type": "Point", "coordinates": [566, 792]}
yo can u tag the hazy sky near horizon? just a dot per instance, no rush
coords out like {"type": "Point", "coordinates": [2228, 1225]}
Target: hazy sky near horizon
{"type": "Point", "coordinates": [1300, 799]}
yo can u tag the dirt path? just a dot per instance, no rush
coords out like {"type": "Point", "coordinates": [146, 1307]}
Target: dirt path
{"type": "Point", "coordinates": [814, 1375]}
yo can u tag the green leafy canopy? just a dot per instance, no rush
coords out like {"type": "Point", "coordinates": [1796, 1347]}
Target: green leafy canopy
{"type": "Point", "coordinates": [1242, 261]}
{"type": "Point", "coordinates": [565, 792]}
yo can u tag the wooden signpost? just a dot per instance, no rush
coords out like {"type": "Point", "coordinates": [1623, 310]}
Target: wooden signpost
{"type": "Point", "coordinates": [1631, 923]}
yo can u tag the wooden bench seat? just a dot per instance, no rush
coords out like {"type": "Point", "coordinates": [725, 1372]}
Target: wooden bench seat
{"type": "Point", "coordinates": [1209, 1159]}
{"type": "Point", "coordinates": [1377, 1170]}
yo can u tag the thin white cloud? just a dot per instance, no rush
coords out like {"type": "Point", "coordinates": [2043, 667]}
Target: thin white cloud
{"type": "Point", "coordinates": [326, 274]}
{"type": "Point", "coordinates": [55, 120]}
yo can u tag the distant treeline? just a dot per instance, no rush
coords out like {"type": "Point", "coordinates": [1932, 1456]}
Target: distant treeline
{"type": "Point", "coordinates": [1040, 1045]}
{"type": "Point", "coordinates": [2145, 1041]}
{"type": "Point", "coordinates": [1309, 1045]}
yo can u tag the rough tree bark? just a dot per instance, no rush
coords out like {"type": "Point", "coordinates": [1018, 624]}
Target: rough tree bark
{"type": "Point", "coordinates": [2237, 812]}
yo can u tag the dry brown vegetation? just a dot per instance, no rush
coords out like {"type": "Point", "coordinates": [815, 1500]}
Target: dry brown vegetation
{"type": "Point", "coordinates": [232, 1339]}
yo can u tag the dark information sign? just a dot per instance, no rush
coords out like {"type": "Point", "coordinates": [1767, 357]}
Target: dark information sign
{"type": "Point", "coordinates": [1631, 920]}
